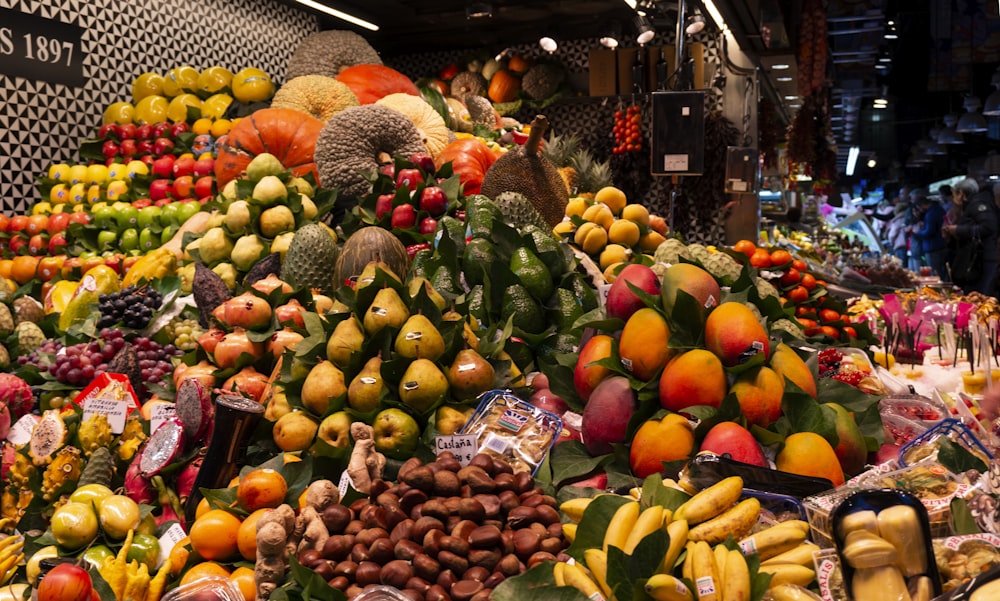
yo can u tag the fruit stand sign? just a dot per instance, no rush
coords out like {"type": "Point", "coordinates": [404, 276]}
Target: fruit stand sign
{"type": "Point", "coordinates": [20, 432]}
{"type": "Point", "coordinates": [464, 446]}
{"type": "Point", "coordinates": [161, 413]}
{"type": "Point", "coordinates": [37, 48]}
{"type": "Point", "coordinates": [112, 395]}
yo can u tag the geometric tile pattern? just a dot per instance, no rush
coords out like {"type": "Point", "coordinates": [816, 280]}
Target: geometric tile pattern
{"type": "Point", "coordinates": [42, 123]}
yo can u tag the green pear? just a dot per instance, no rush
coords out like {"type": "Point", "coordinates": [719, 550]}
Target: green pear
{"type": "Point", "coordinates": [368, 274]}
{"type": "Point", "coordinates": [417, 283]}
{"type": "Point", "coordinates": [418, 338]}
{"type": "Point", "coordinates": [215, 246]}
{"type": "Point", "coordinates": [387, 309]}
{"type": "Point", "coordinates": [347, 339]}
{"type": "Point", "coordinates": [366, 387]}
{"type": "Point", "coordinates": [323, 388]}
{"type": "Point", "coordinates": [422, 385]}
{"type": "Point", "coordinates": [467, 332]}
{"type": "Point", "coordinates": [335, 430]}
{"type": "Point", "coordinates": [237, 218]}
{"type": "Point", "coordinates": [469, 375]}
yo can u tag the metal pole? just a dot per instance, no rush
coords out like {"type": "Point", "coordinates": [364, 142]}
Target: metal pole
{"type": "Point", "coordinates": [679, 41]}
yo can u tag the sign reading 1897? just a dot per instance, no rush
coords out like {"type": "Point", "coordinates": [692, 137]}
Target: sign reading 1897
{"type": "Point", "coordinates": [34, 47]}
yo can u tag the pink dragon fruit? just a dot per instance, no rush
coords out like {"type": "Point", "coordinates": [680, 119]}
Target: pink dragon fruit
{"type": "Point", "coordinates": [137, 487]}
{"type": "Point", "coordinates": [184, 482]}
{"type": "Point", "coordinates": [16, 396]}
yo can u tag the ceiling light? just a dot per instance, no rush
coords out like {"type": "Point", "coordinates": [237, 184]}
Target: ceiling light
{"type": "Point", "coordinates": [992, 106]}
{"type": "Point", "coordinates": [783, 79]}
{"type": "Point", "coordinates": [948, 135]}
{"type": "Point", "coordinates": [478, 10]}
{"type": "Point", "coordinates": [713, 12]}
{"type": "Point", "coordinates": [631, 4]}
{"type": "Point", "coordinates": [339, 14]}
{"type": "Point", "coordinates": [971, 121]}
{"type": "Point", "coordinates": [791, 97]}
{"type": "Point", "coordinates": [644, 31]}
{"type": "Point", "coordinates": [548, 44]}
{"type": "Point", "coordinates": [695, 23]}
{"type": "Point", "coordinates": [872, 163]}
{"type": "Point", "coordinates": [852, 160]}
{"type": "Point", "coordinates": [612, 35]}
{"type": "Point", "coordinates": [780, 67]}
{"type": "Point", "coordinates": [890, 30]}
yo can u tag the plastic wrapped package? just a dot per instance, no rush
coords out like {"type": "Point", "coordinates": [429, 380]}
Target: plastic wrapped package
{"type": "Point", "coordinates": [513, 430]}
{"type": "Point", "coordinates": [210, 588]}
{"type": "Point", "coordinates": [924, 447]}
{"type": "Point", "coordinates": [960, 558]}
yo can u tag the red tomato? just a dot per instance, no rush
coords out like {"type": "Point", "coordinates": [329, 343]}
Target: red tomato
{"type": "Point", "coordinates": [65, 582]}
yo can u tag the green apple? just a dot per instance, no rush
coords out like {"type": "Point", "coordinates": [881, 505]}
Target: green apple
{"type": "Point", "coordinates": [129, 239]}
{"type": "Point", "coordinates": [396, 433]}
{"type": "Point", "coordinates": [170, 214]}
{"type": "Point", "coordinates": [107, 239]}
{"type": "Point", "coordinates": [127, 217]}
{"type": "Point", "coordinates": [148, 240]}
{"type": "Point", "coordinates": [148, 216]}
{"type": "Point", "coordinates": [186, 210]}
{"type": "Point", "coordinates": [335, 430]}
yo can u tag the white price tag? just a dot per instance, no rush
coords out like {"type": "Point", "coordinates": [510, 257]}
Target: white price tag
{"type": "Point", "coordinates": [171, 537]}
{"type": "Point", "coordinates": [161, 412]}
{"type": "Point", "coordinates": [345, 483]}
{"type": "Point", "coordinates": [464, 446]}
{"type": "Point", "coordinates": [116, 412]}
{"type": "Point", "coordinates": [20, 432]}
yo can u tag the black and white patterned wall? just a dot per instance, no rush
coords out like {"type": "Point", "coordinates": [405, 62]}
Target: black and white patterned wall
{"type": "Point", "coordinates": [43, 123]}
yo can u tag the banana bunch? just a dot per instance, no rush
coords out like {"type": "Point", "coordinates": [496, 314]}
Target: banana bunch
{"type": "Point", "coordinates": [888, 553]}
{"type": "Point", "coordinates": [11, 555]}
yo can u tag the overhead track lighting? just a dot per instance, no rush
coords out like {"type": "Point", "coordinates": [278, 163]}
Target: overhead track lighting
{"type": "Point", "coordinates": [695, 23]}
{"type": "Point", "coordinates": [333, 12]}
{"type": "Point", "coordinates": [890, 30]}
{"type": "Point", "coordinates": [548, 44]}
{"type": "Point", "coordinates": [612, 35]}
{"type": "Point", "coordinates": [852, 160]}
{"type": "Point", "coordinates": [971, 122]}
{"type": "Point", "coordinates": [644, 31]}
{"type": "Point", "coordinates": [948, 135]}
{"type": "Point", "coordinates": [476, 9]}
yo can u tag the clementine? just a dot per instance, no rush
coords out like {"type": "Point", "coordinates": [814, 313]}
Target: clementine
{"type": "Point", "coordinates": [746, 247]}
{"type": "Point", "coordinates": [215, 535]}
{"type": "Point", "coordinates": [246, 537]}
{"type": "Point", "coordinates": [204, 570]}
{"type": "Point", "coordinates": [242, 577]}
{"type": "Point", "coordinates": [261, 488]}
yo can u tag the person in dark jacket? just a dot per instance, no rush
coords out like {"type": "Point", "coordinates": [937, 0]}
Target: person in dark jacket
{"type": "Point", "coordinates": [977, 221]}
{"type": "Point", "coordinates": [929, 233]}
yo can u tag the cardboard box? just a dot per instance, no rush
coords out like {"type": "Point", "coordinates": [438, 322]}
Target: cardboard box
{"type": "Point", "coordinates": [603, 72]}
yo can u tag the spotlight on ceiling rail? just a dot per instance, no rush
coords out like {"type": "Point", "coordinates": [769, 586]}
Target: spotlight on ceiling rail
{"type": "Point", "coordinates": [695, 23]}
{"type": "Point", "coordinates": [644, 31]}
{"type": "Point", "coordinates": [475, 9]}
{"type": "Point", "coordinates": [548, 44]}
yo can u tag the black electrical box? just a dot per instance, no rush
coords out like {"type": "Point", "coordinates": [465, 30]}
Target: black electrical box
{"type": "Point", "coordinates": [678, 133]}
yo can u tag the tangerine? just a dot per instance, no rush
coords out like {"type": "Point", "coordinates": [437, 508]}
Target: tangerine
{"type": "Point", "coordinates": [261, 488]}
{"type": "Point", "coordinates": [242, 577]}
{"type": "Point", "coordinates": [780, 258]}
{"type": "Point", "coordinates": [214, 535]}
{"type": "Point", "coordinates": [808, 281]}
{"type": "Point", "coordinates": [179, 555]}
{"type": "Point", "coordinates": [6, 266]}
{"type": "Point", "coordinates": [799, 264]}
{"type": "Point", "coordinates": [23, 268]}
{"type": "Point", "coordinates": [246, 537]}
{"type": "Point", "coordinates": [761, 259]}
{"type": "Point", "coordinates": [746, 247]}
{"type": "Point", "coordinates": [798, 294]}
{"type": "Point", "coordinates": [204, 570]}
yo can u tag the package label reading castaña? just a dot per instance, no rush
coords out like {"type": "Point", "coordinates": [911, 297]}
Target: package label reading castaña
{"type": "Point", "coordinates": [43, 49]}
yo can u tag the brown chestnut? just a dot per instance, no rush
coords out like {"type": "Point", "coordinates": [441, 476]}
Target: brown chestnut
{"type": "Point", "coordinates": [526, 542]}
{"type": "Point", "coordinates": [484, 537]}
{"type": "Point", "coordinates": [476, 573]}
{"type": "Point", "coordinates": [487, 558]}
{"type": "Point", "coordinates": [424, 525]}
{"type": "Point", "coordinates": [421, 478]}
{"type": "Point", "coordinates": [493, 580]}
{"type": "Point", "coordinates": [472, 509]}
{"type": "Point", "coordinates": [506, 482]}
{"type": "Point", "coordinates": [368, 572]}
{"type": "Point", "coordinates": [339, 582]}
{"type": "Point", "coordinates": [426, 567]}
{"type": "Point", "coordinates": [324, 568]}
{"type": "Point", "coordinates": [310, 557]}
{"type": "Point", "coordinates": [336, 547]}
{"type": "Point", "coordinates": [446, 484]}
{"type": "Point", "coordinates": [525, 482]}
{"type": "Point", "coordinates": [547, 515]}
{"type": "Point", "coordinates": [382, 550]}
{"type": "Point", "coordinates": [396, 573]}
{"type": "Point", "coordinates": [408, 465]}
{"type": "Point", "coordinates": [354, 526]}
{"type": "Point", "coordinates": [456, 545]}
{"type": "Point", "coordinates": [402, 530]}
{"type": "Point", "coordinates": [452, 561]}
{"type": "Point", "coordinates": [370, 535]}
{"type": "Point", "coordinates": [551, 545]}
{"type": "Point", "coordinates": [540, 557]}
{"type": "Point", "coordinates": [510, 565]}
{"type": "Point", "coordinates": [463, 529]}
{"type": "Point", "coordinates": [336, 517]}
{"type": "Point", "coordinates": [345, 568]}
{"type": "Point", "coordinates": [407, 549]}
{"type": "Point", "coordinates": [463, 590]}
{"type": "Point", "coordinates": [435, 508]}
{"type": "Point", "coordinates": [436, 593]}
{"type": "Point", "coordinates": [359, 553]}
{"type": "Point", "coordinates": [447, 578]}
{"type": "Point", "coordinates": [411, 499]}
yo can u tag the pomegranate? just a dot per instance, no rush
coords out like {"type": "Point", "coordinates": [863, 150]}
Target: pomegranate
{"type": "Point", "coordinates": [203, 371]}
{"type": "Point", "coordinates": [291, 312]}
{"type": "Point", "coordinates": [234, 344]}
{"type": "Point", "coordinates": [285, 338]}
{"type": "Point", "coordinates": [210, 338]}
{"type": "Point", "coordinates": [270, 283]}
{"type": "Point", "coordinates": [244, 311]}
{"type": "Point", "coordinates": [248, 381]}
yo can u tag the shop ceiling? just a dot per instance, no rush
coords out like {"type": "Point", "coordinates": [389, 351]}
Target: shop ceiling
{"type": "Point", "coordinates": [767, 30]}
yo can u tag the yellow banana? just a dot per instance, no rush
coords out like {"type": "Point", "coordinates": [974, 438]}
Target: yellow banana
{"type": "Point", "coordinates": [574, 508]}
{"type": "Point", "coordinates": [10, 563]}
{"type": "Point", "coordinates": [597, 563]}
{"type": "Point", "coordinates": [635, 492]}
{"type": "Point", "coordinates": [721, 553]}
{"type": "Point", "coordinates": [678, 532]}
{"type": "Point", "coordinates": [792, 592]}
{"type": "Point", "coordinates": [578, 579]}
{"type": "Point", "coordinates": [558, 573]}
{"type": "Point", "coordinates": [9, 574]}
{"type": "Point", "coordinates": [621, 525]}
{"type": "Point", "coordinates": [736, 582]}
{"type": "Point", "coordinates": [790, 573]}
{"type": "Point", "coordinates": [648, 522]}
{"type": "Point", "coordinates": [686, 570]}
{"type": "Point", "coordinates": [704, 572]}
{"type": "Point", "coordinates": [801, 555]}
{"type": "Point", "coordinates": [772, 541]}
{"type": "Point", "coordinates": [736, 521]}
{"type": "Point", "coordinates": [11, 541]}
{"type": "Point", "coordinates": [900, 526]}
{"type": "Point", "coordinates": [710, 502]}
{"type": "Point", "coordinates": [569, 532]}
{"type": "Point", "coordinates": [664, 587]}
{"type": "Point", "coordinates": [800, 524]}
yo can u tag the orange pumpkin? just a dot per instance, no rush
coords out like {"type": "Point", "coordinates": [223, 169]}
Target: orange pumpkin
{"type": "Point", "coordinates": [504, 86]}
{"type": "Point", "coordinates": [288, 134]}
{"type": "Point", "coordinates": [518, 63]}
{"type": "Point", "coordinates": [469, 158]}
{"type": "Point", "coordinates": [371, 82]}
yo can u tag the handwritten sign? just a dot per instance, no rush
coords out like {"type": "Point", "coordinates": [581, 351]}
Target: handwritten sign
{"type": "Point", "coordinates": [20, 432]}
{"type": "Point", "coordinates": [37, 48]}
{"type": "Point", "coordinates": [463, 446]}
{"type": "Point", "coordinates": [116, 411]}
{"type": "Point", "coordinates": [161, 412]}
{"type": "Point", "coordinates": [171, 537]}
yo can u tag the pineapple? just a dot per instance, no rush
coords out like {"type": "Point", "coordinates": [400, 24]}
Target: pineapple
{"type": "Point", "coordinates": [559, 150]}
{"type": "Point", "coordinates": [592, 175]}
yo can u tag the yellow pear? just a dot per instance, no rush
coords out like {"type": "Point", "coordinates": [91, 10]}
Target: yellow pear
{"type": "Point", "coordinates": [418, 338]}
{"type": "Point", "coordinates": [417, 283]}
{"type": "Point", "coordinates": [470, 375]}
{"type": "Point", "coordinates": [346, 340]}
{"type": "Point", "coordinates": [422, 385]}
{"type": "Point", "coordinates": [387, 309]}
{"type": "Point", "coordinates": [467, 332]}
{"type": "Point", "coordinates": [368, 274]}
{"type": "Point", "coordinates": [366, 387]}
{"type": "Point", "coordinates": [277, 405]}
{"type": "Point", "coordinates": [323, 387]}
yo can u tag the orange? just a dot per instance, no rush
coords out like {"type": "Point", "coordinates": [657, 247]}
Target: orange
{"type": "Point", "coordinates": [261, 488]}
{"type": "Point", "coordinates": [202, 509]}
{"type": "Point", "coordinates": [179, 555]}
{"type": "Point", "coordinates": [799, 264]}
{"type": "Point", "coordinates": [798, 294]}
{"type": "Point", "coordinates": [808, 281]}
{"type": "Point", "coordinates": [204, 570]}
{"type": "Point", "coordinates": [221, 127]}
{"type": "Point", "coordinates": [24, 268]}
{"type": "Point", "coordinates": [780, 258]}
{"type": "Point", "coordinates": [215, 535]}
{"type": "Point", "coordinates": [6, 267]}
{"type": "Point", "coordinates": [246, 537]}
{"type": "Point", "coordinates": [202, 126]}
{"type": "Point", "coordinates": [746, 247]}
{"type": "Point", "coordinates": [761, 259]}
{"type": "Point", "coordinates": [243, 578]}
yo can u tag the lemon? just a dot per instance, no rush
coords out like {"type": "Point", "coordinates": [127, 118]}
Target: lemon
{"type": "Point", "coordinates": [252, 85]}
{"type": "Point", "coordinates": [136, 168]}
{"type": "Point", "coordinates": [600, 214]}
{"type": "Point", "coordinates": [202, 126]}
{"type": "Point", "coordinates": [624, 232]}
{"type": "Point", "coordinates": [117, 171]}
{"type": "Point", "coordinates": [117, 189]}
{"type": "Point", "coordinates": [613, 197]}
{"type": "Point", "coordinates": [58, 172]}
{"type": "Point", "coordinates": [177, 110]}
{"type": "Point", "coordinates": [180, 80]}
{"type": "Point", "coordinates": [221, 127]}
{"type": "Point", "coordinates": [119, 112]}
{"type": "Point", "coordinates": [93, 193]}
{"type": "Point", "coordinates": [215, 106]}
{"type": "Point", "coordinates": [213, 80]}
{"type": "Point", "coordinates": [77, 174]}
{"type": "Point", "coordinates": [42, 208]}
{"type": "Point", "coordinates": [636, 213]}
{"type": "Point", "coordinates": [576, 206]}
{"type": "Point", "coordinates": [147, 84]}
{"type": "Point", "coordinates": [96, 174]}
{"type": "Point", "coordinates": [78, 193]}
{"type": "Point", "coordinates": [59, 193]}
{"type": "Point", "coordinates": [613, 253]}
{"type": "Point", "coordinates": [152, 109]}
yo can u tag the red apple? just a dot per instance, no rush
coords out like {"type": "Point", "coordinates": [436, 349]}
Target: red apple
{"type": "Point", "coordinates": [388, 169]}
{"type": "Point", "coordinates": [16, 243]}
{"type": "Point", "coordinates": [423, 161]}
{"type": "Point", "coordinates": [126, 131]}
{"type": "Point", "coordinates": [204, 187]}
{"type": "Point", "coordinates": [203, 167]}
{"type": "Point", "coordinates": [161, 129]}
{"type": "Point", "coordinates": [413, 249]}
{"type": "Point", "coordinates": [108, 130]}
{"type": "Point", "coordinates": [162, 146]}
{"type": "Point", "coordinates": [179, 128]}
{"type": "Point", "coordinates": [383, 205]}
{"type": "Point", "coordinates": [409, 179]}
{"type": "Point", "coordinates": [38, 244]}
{"type": "Point", "coordinates": [736, 441]}
{"type": "Point", "coordinates": [127, 148]}
{"type": "Point", "coordinates": [141, 203]}
{"type": "Point", "coordinates": [404, 217]}
{"type": "Point", "coordinates": [428, 225]}
{"type": "Point", "coordinates": [434, 201]}
{"type": "Point", "coordinates": [79, 217]}
{"type": "Point", "coordinates": [184, 166]}
{"type": "Point", "coordinates": [145, 147]}
{"type": "Point", "coordinates": [58, 222]}
{"type": "Point", "coordinates": [144, 131]}
{"type": "Point", "coordinates": [57, 244]}
{"type": "Point", "coordinates": [183, 186]}
{"type": "Point", "coordinates": [159, 189]}
{"type": "Point", "coordinates": [163, 202]}
{"type": "Point", "coordinates": [164, 166]}
{"type": "Point", "coordinates": [148, 160]}
{"type": "Point", "coordinates": [110, 149]}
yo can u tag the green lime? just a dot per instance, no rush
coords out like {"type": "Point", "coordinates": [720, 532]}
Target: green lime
{"type": "Point", "coordinates": [129, 239]}
{"type": "Point", "coordinates": [148, 216]}
{"type": "Point", "coordinates": [145, 549]}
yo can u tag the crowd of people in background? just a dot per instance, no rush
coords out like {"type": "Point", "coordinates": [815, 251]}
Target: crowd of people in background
{"type": "Point", "coordinates": [941, 233]}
